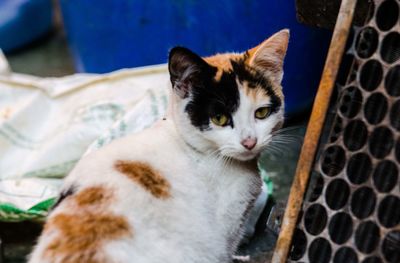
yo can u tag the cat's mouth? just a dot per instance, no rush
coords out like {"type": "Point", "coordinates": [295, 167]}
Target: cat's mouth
{"type": "Point", "coordinates": [241, 155]}
{"type": "Point", "coordinates": [245, 156]}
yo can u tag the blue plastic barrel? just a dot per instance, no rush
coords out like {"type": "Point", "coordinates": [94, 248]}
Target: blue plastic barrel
{"type": "Point", "coordinates": [109, 35]}
{"type": "Point", "coordinates": [23, 21]}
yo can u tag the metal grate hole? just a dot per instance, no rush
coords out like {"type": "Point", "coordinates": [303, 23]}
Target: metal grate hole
{"type": "Point", "coordinates": [333, 161]}
{"type": "Point", "coordinates": [391, 247]}
{"type": "Point", "coordinates": [359, 168]}
{"type": "Point", "coordinates": [390, 50]}
{"type": "Point", "coordinates": [375, 108]}
{"type": "Point", "coordinates": [371, 75]}
{"type": "Point", "coordinates": [367, 42]}
{"type": "Point", "coordinates": [372, 260]}
{"type": "Point", "coordinates": [337, 193]}
{"type": "Point", "coordinates": [387, 15]}
{"type": "Point", "coordinates": [337, 129]}
{"type": "Point", "coordinates": [370, 13]}
{"type": "Point", "coordinates": [299, 245]}
{"type": "Point", "coordinates": [397, 152]}
{"type": "Point", "coordinates": [367, 237]}
{"type": "Point", "coordinates": [389, 211]}
{"type": "Point", "coordinates": [315, 219]}
{"type": "Point", "coordinates": [385, 176]}
{"type": "Point", "coordinates": [317, 185]}
{"type": "Point", "coordinates": [345, 254]}
{"type": "Point", "coordinates": [381, 142]}
{"type": "Point", "coordinates": [340, 228]}
{"type": "Point", "coordinates": [354, 71]}
{"type": "Point", "coordinates": [355, 135]}
{"type": "Point", "coordinates": [363, 202]}
{"type": "Point", "coordinates": [395, 115]}
{"type": "Point", "coordinates": [392, 81]}
{"type": "Point", "coordinates": [351, 102]}
{"type": "Point", "coordinates": [343, 74]}
{"type": "Point", "coordinates": [320, 251]}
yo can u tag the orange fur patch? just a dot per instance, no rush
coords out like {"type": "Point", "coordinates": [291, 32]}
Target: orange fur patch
{"type": "Point", "coordinates": [82, 235]}
{"type": "Point", "coordinates": [92, 196]}
{"type": "Point", "coordinates": [145, 176]}
{"type": "Point", "coordinates": [222, 62]}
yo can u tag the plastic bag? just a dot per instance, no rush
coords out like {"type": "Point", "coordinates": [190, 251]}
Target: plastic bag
{"type": "Point", "coordinates": [47, 124]}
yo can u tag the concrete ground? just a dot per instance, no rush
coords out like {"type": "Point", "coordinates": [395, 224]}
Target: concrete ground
{"type": "Point", "coordinates": [50, 57]}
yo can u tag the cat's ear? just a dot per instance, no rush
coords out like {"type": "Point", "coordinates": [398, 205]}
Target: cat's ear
{"type": "Point", "coordinates": [186, 68]}
{"type": "Point", "coordinates": [270, 54]}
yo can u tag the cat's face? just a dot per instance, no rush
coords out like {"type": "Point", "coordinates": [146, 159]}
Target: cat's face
{"type": "Point", "coordinates": [229, 104]}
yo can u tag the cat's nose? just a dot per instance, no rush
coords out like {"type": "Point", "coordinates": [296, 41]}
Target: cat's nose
{"type": "Point", "coordinates": [249, 143]}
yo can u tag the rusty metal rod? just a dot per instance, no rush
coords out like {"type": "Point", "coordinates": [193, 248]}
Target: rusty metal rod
{"type": "Point", "coordinates": [314, 128]}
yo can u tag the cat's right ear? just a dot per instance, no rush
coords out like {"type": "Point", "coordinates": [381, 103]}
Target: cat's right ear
{"type": "Point", "coordinates": [185, 69]}
{"type": "Point", "coordinates": [269, 55]}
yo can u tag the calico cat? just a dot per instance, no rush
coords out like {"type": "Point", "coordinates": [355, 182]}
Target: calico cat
{"type": "Point", "coordinates": [179, 191]}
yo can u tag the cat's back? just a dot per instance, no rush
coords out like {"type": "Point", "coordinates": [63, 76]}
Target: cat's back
{"type": "Point", "coordinates": [135, 200]}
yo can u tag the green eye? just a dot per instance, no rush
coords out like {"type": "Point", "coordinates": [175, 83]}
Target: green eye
{"type": "Point", "coordinates": [220, 119]}
{"type": "Point", "coordinates": [262, 112]}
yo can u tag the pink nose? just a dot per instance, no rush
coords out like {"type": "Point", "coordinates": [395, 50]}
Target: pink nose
{"type": "Point", "coordinates": [249, 143]}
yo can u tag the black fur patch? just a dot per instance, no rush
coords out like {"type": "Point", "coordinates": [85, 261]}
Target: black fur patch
{"type": "Point", "coordinates": [210, 98]}
{"type": "Point", "coordinates": [64, 194]}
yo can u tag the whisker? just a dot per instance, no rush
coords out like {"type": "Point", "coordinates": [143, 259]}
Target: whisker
{"type": "Point", "coordinates": [288, 129]}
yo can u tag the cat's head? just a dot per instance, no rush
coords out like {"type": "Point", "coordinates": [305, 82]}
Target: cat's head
{"type": "Point", "coordinates": [229, 103]}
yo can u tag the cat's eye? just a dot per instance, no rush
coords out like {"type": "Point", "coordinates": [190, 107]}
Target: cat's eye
{"type": "Point", "coordinates": [262, 113]}
{"type": "Point", "coordinates": [220, 119]}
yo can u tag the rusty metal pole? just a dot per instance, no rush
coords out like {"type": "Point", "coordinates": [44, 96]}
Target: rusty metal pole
{"type": "Point", "coordinates": [306, 160]}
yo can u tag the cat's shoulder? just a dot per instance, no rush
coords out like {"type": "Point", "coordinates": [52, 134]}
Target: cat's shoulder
{"type": "Point", "coordinates": [157, 146]}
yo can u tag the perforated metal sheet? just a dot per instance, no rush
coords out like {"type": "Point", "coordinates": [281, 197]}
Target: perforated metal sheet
{"type": "Point", "coordinates": [351, 212]}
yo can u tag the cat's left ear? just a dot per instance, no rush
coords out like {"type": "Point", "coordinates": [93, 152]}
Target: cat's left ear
{"type": "Point", "coordinates": [270, 54]}
{"type": "Point", "coordinates": [187, 70]}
